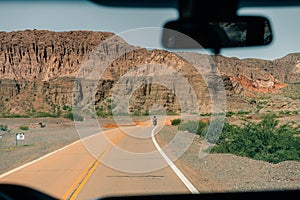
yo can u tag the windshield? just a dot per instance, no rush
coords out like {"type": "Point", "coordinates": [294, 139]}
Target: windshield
{"type": "Point", "coordinates": [92, 105]}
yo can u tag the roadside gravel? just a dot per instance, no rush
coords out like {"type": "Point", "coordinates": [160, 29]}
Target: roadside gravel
{"type": "Point", "coordinates": [38, 141]}
{"type": "Point", "coordinates": [226, 172]}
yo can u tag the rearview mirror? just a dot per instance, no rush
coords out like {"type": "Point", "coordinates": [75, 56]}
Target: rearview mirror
{"type": "Point", "coordinates": [216, 34]}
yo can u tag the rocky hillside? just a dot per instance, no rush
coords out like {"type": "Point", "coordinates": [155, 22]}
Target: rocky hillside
{"type": "Point", "coordinates": [38, 70]}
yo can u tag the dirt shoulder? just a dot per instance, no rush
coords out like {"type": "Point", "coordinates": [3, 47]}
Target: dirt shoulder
{"type": "Point", "coordinates": [38, 141]}
{"type": "Point", "coordinates": [226, 172]}
{"type": "Point", "coordinates": [57, 133]}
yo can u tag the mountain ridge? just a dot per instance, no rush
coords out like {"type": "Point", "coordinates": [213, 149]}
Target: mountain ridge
{"type": "Point", "coordinates": [38, 69]}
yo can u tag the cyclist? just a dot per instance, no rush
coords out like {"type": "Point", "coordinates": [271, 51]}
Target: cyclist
{"type": "Point", "coordinates": [154, 121]}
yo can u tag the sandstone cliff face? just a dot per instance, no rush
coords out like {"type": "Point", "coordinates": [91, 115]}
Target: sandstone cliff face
{"type": "Point", "coordinates": [35, 65]}
{"type": "Point", "coordinates": [252, 75]}
{"type": "Point", "coordinates": [153, 77]}
{"type": "Point", "coordinates": [38, 71]}
{"type": "Point", "coordinates": [45, 55]}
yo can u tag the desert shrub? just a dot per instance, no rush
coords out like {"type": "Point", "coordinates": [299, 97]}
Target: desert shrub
{"type": "Point", "coordinates": [295, 112]}
{"type": "Point", "coordinates": [136, 113]}
{"type": "Point", "coordinates": [205, 114]}
{"type": "Point", "coordinates": [15, 116]}
{"type": "Point", "coordinates": [101, 113]}
{"type": "Point", "coordinates": [73, 116]}
{"type": "Point", "coordinates": [146, 113]}
{"type": "Point", "coordinates": [46, 114]}
{"type": "Point", "coordinates": [69, 116]}
{"type": "Point", "coordinates": [229, 114]}
{"type": "Point", "coordinates": [66, 107]}
{"type": "Point", "coordinates": [176, 122]}
{"type": "Point", "coordinates": [197, 127]}
{"type": "Point", "coordinates": [265, 140]}
{"type": "Point", "coordinates": [24, 128]}
{"type": "Point", "coordinates": [42, 125]}
{"type": "Point", "coordinates": [3, 127]}
{"type": "Point", "coordinates": [243, 112]}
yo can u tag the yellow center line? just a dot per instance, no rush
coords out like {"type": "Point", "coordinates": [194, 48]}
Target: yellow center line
{"type": "Point", "coordinates": [77, 186]}
{"type": "Point", "coordinates": [71, 189]}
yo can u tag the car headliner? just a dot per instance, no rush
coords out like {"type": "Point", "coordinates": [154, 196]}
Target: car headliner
{"type": "Point", "coordinates": [173, 3]}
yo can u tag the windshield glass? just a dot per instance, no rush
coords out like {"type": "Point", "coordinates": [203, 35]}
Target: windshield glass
{"type": "Point", "coordinates": [92, 105]}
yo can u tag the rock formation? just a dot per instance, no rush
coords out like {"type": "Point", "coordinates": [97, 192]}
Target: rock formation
{"type": "Point", "coordinates": [39, 71]}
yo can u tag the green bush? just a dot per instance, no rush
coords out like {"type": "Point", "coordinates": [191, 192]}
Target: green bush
{"type": "Point", "coordinates": [3, 127]}
{"type": "Point", "coordinates": [176, 122]}
{"type": "Point", "coordinates": [205, 114]}
{"type": "Point", "coordinates": [69, 116]}
{"type": "Point", "coordinates": [295, 112]}
{"type": "Point", "coordinates": [15, 116]}
{"type": "Point", "coordinates": [24, 128]}
{"type": "Point", "coordinates": [146, 113]}
{"type": "Point", "coordinates": [136, 113]}
{"type": "Point", "coordinates": [197, 127]}
{"type": "Point", "coordinates": [66, 107]}
{"type": "Point", "coordinates": [243, 112]}
{"type": "Point", "coordinates": [101, 113]}
{"type": "Point", "coordinates": [45, 114]}
{"type": "Point", "coordinates": [229, 114]}
{"type": "Point", "coordinates": [73, 116]}
{"type": "Point", "coordinates": [265, 140]}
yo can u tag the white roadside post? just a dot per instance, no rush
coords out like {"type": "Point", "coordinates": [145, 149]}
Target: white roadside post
{"type": "Point", "coordinates": [19, 136]}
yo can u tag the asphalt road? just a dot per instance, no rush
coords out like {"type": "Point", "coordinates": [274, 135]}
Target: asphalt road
{"type": "Point", "coordinates": [122, 161]}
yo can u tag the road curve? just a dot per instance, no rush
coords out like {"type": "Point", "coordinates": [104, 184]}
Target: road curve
{"type": "Point", "coordinates": [122, 161]}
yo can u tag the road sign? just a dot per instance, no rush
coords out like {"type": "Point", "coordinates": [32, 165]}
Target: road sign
{"type": "Point", "coordinates": [20, 136]}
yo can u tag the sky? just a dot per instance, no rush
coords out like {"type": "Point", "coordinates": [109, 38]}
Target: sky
{"type": "Point", "coordinates": [85, 15]}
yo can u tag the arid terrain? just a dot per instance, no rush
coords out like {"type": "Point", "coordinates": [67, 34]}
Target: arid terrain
{"type": "Point", "coordinates": [45, 77]}
{"type": "Point", "coordinates": [213, 173]}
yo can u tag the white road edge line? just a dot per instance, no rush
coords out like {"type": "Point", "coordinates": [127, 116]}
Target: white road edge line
{"type": "Point", "coordinates": [186, 182]}
{"type": "Point", "coordinates": [34, 161]}
{"type": "Point", "coordinates": [45, 156]}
